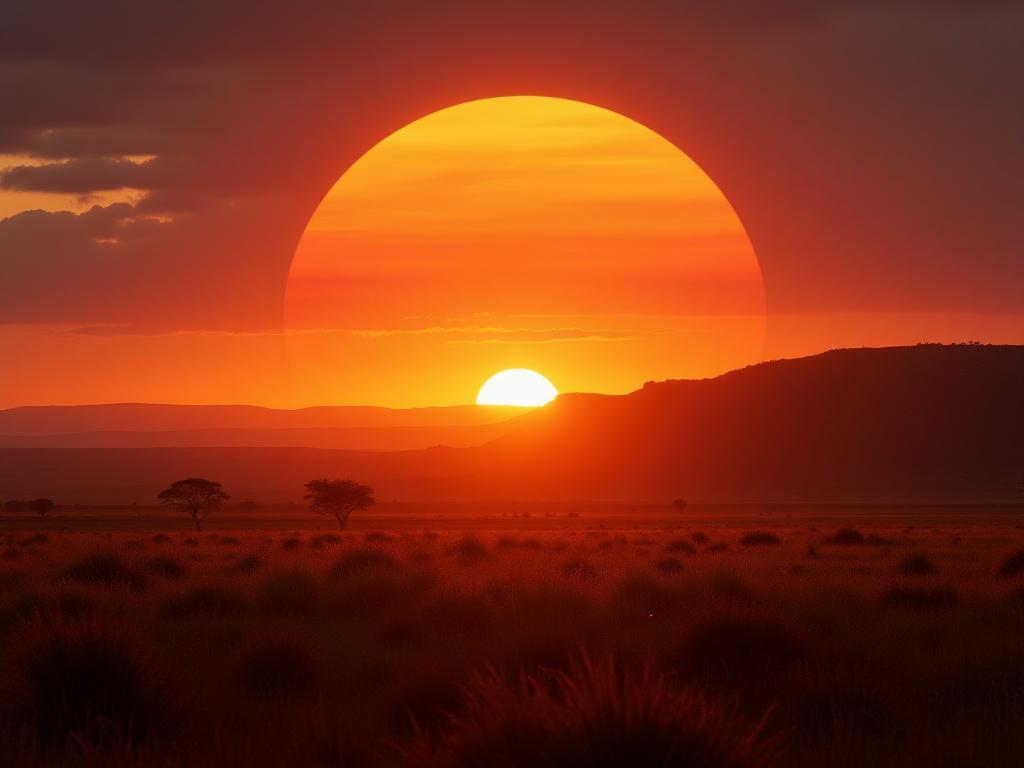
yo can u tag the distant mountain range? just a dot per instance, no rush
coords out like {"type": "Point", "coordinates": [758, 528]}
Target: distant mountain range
{"type": "Point", "coordinates": [142, 425]}
{"type": "Point", "coordinates": [924, 423]}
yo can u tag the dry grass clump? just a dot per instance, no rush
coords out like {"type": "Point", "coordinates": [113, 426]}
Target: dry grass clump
{"type": "Point", "coordinates": [699, 537]}
{"type": "Point", "coordinates": [759, 539]}
{"type": "Point", "coordinates": [291, 543]}
{"type": "Point", "coordinates": [919, 598]}
{"type": "Point", "coordinates": [160, 538]}
{"type": "Point", "coordinates": [324, 540]}
{"type": "Point", "coordinates": [248, 564]}
{"type": "Point", "coordinates": [163, 567]}
{"type": "Point", "coordinates": [506, 543]}
{"type": "Point", "coordinates": [205, 600]}
{"type": "Point", "coordinates": [681, 547]}
{"type": "Point", "coordinates": [35, 538]}
{"type": "Point", "coordinates": [917, 564]}
{"type": "Point", "coordinates": [278, 668]}
{"type": "Point", "coordinates": [1012, 565]}
{"type": "Point", "coordinates": [107, 568]}
{"type": "Point", "coordinates": [378, 537]}
{"type": "Point", "coordinates": [579, 568]}
{"type": "Point", "coordinates": [740, 650]}
{"type": "Point", "coordinates": [364, 560]}
{"type": "Point", "coordinates": [717, 548]}
{"type": "Point", "coordinates": [670, 566]}
{"type": "Point", "coordinates": [593, 715]}
{"type": "Point", "coordinates": [469, 549]}
{"type": "Point", "coordinates": [845, 537]}
{"type": "Point", "coordinates": [88, 685]}
{"type": "Point", "coordinates": [293, 591]}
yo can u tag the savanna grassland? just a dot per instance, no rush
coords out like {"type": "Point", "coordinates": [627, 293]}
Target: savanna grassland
{"type": "Point", "coordinates": [699, 638]}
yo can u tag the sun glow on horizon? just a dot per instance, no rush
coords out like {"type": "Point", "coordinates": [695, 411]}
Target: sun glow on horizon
{"type": "Point", "coordinates": [517, 386]}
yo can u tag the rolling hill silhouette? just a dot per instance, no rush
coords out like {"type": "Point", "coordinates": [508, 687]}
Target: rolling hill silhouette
{"type": "Point", "coordinates": [920, 423]}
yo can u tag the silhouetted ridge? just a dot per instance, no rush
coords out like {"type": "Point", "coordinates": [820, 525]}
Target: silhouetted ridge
{"type": "Point", "coordinates": [920, 423]}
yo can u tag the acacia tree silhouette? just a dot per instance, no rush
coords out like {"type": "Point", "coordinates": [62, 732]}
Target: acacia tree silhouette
{"type": "Point", "coordinates": [41, 506]}
{"type": "Point", "coordinates": [198, 496]}
{"type": "Point", "coordinates": [338, 498]}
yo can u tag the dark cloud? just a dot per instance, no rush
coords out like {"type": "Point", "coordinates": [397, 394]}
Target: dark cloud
{"type": "Point", "coordinates": [872, 149]}
{"type": "Point", "coordinates": [80, 175]}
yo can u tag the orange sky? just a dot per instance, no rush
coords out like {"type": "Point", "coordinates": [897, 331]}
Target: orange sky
{"type": "Point", "coordinates": [513, 232]}
{"type": "Point", "coordinates": [519, 232]}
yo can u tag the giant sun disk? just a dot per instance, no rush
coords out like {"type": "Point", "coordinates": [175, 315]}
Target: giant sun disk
{"type": "Point", "coordinates": [556, 234]}
{"type": "Point", "coordinates": [517, 386]}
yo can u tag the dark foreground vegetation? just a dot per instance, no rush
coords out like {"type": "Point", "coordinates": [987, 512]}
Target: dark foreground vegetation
{"type": "Point", "coordinates": [794, 645]}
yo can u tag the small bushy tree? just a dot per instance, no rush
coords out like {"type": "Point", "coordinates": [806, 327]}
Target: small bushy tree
{"type": "Point", "coordinates": [41, 506]}
{"type": "Point", "coordinates": [199, 497]}
{"type": "Point", "coordinates": [338, 498]}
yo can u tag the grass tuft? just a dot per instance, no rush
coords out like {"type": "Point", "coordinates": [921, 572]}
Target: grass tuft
{"type": "Point", "coordinates": [107, 568]}
{"type": "Point", "coordinates": [845, 537]}
{"type": "Point", "coordinates": [1012, 565]}
{"type": "Point", "coordinates": [592, 715]}
{"type": "Point", "coordinates": [917, 564]}
{"type": "Point", "coordinates": [89, 684]}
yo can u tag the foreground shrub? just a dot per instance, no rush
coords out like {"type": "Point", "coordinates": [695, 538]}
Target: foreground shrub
{"type": "Point", "coordinates": [738, 650]}
{"type": "Point", "coordinates": [594, 715]}
{"type": "Point", "coordinates": [846, 537]}
{"type": "Point", "coordinates": [1012, 565]}
{"type": "Point", "coordinates": [107, 568]}
{"type": "Point", "coordinates": [277, 669]}
{"type": "Point", "coordinates": [916, 564]}
{"type": "Point", "coordinates": [759, 539]}
{"type": "Point", "coordinates": [919, 598]}
{"type": "Point", "coordinates": [89, 684]}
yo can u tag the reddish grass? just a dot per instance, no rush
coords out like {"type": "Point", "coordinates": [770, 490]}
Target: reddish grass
{"type": "Point", "coordinates": [593, 715]}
